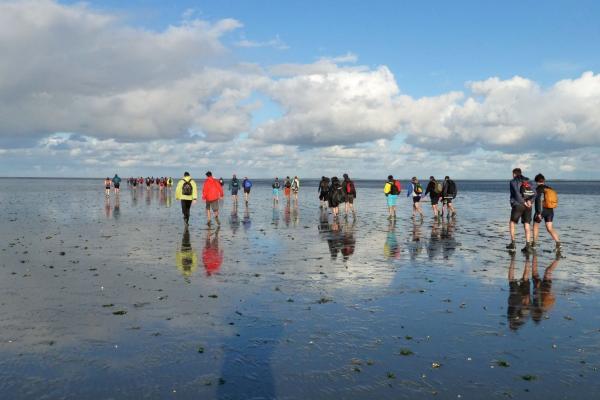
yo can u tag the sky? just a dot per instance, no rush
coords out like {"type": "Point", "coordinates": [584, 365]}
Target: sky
{"type": "Point", "coordinates": [469, 89]}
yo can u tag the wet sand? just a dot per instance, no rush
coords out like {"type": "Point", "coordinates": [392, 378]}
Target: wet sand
{"type": "Point", "coordinates": [113, 299]}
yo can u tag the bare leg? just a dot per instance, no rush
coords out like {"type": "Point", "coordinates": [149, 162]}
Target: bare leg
{"type": "Point", "coordinates": [527, 227]}
{"type": "Point", "coordinates": [511, 229]}
{"type": "Point", "coordinates": [552, 231]}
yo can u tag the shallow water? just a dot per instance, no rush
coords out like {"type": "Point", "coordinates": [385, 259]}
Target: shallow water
{"type": "Point", "coordinates": [112, 299]}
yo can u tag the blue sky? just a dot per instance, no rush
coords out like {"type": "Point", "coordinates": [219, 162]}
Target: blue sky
{"type": "Point", "coordinates": [431, 47]}
{"type": "Point", "coordinates": [473, 86]}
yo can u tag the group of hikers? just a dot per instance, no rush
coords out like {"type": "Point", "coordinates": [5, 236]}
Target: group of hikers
{"type": "Point", "coordinates": [151, 182]}
{"type": "Point", "coordinates": [527, 203]}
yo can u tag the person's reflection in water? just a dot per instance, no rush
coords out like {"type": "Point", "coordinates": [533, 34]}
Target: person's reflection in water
{"type": "Point", "coordinates": [348, 240]}
{"type": "Point", "coordinates": [447, 235]}
{"type": "Point", "coordinates": [391, 249]}
{"type": "Point", "coordinates": [434, 247]}
{"type": "Point", "coordinates": [416, 247]}
{"type": "Point", "coordinates": [246, 222]}
{"type": "Point", "coordinates": [543, 298]}
{"type": "Point", "coordinates": [519, 299]}
{"type": "Point", "coordinates": [117, 208]}
{"type": "Point", "coordinates": [162, 198]}
{"type": "Point", "coordinates": [107, 209]}
{"type": "Point", "coordinates": [148, 197]}
{"type": "Point", "coordinates": [287, 214]}
{"type": "Point", "coordinates": [212, 255]}
{"type": "Point", "coordinates": [295, 214]}
{"type": "Point", "coordinates": [134, 197]}
{"type": "Point", "coordinates": [234, 220]}
{"type": "Point", "coordinates": [186, 259]}
{"type": "Point", "coordinates": [334, 239]}
{"type": "Point", "coordinates": [275, 220]}
{"type": "Point", "coordinates": [168, 198]}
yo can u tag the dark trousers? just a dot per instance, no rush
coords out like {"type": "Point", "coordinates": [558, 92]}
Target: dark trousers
{"type": "Point", "coordinates": [185, 208]}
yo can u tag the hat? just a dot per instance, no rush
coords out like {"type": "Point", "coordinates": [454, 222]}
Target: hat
{"type": "Point", "coordinates": [346, 176]}
{"type": "Point", "coordinates": [390, 177]}
{"type": "Point", "coordinates": [208, 173]}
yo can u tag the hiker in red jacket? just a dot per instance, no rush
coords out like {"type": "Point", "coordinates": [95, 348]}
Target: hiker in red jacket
{"type": "Point", "coordinates": [212, 192]}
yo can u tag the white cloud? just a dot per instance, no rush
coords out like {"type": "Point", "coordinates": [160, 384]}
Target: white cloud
{"type": "Point", "coordinates": [275, 43]}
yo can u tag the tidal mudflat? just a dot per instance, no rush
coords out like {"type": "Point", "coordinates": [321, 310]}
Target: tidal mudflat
{"type": "Point", "coordinates": [114, 299]}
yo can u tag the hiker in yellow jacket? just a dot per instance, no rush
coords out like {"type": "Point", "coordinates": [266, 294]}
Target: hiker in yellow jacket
{"type": "Point", "coordinates": [187, 192]}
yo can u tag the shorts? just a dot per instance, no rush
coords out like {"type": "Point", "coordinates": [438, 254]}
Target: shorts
{"type": "Point", "coordinates": [107, 187]}
{"type": "Point", "coordinates": [117, 185]}
{"type": "Point", "coordinates": [416, 199]}
{"type": "Point", "coordinates": [246, 190]}
{"type": "Point", "coordinates": [323, 196]}
{"type": "Point", "coordinates": [286, 191]}
{"type": "Point", "coordinates": [519, 211]}
{"type": "Point", "coordinates": [234, 191]}
{"type": "Point", "coordinates": [391, 199]}
{"type": "Point", "coordinates": [434, 200]}
{"type": "Point", "coordinates": [276, 192]}
{"type": "Point", "coordinates": [350, 199]}
{"type": "Point", "coordinates": [548, 214]}
{"type": "Point", "coordinates": [212, 205]}
{"type": "Point", "coordinates": [447, 200]}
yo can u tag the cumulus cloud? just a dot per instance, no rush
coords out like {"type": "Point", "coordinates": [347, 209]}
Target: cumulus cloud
{"type": "Point", "coordinates": [119, 89]}
{"type": "Point", "coordinates": [71, 68]}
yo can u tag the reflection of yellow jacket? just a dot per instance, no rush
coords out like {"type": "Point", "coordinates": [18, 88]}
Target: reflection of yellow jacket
{"type": "Point", "coordinates": [186, 261]}
{"type": "Point", "coordinates": [181, 196]}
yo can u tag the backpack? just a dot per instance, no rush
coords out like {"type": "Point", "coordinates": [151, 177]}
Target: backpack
{"type": "Point", "coordinates": [451, 188]}
{"type": "Point", "coordinates": [527, 191]}
{"type": "Point", "coordinates": [550, 198]}
{"type": "Point", "coordinates": [438, 188]}
{"type": "Point", "coordinates": [418, 188]}
{"type": "Point", "coordinates": [394, 188]}
{"type": "Point", "coordinates": [247, 184]}
{"type": "Point", "coordinates": [187, 189]}
{"type": "Point", "coordinates": [350, 187]}
{"type": "Point", "coordinates": [276, 185]}
{"type": "Point", "coordinates": [398, 186]}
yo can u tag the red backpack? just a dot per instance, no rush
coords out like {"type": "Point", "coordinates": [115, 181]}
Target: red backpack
{"type": "Point", "coordinates": [398, 186]}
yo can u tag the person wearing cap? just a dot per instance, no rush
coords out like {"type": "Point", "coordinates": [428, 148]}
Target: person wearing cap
{"type": "Point", "coordinates": [187, 193]}
{"type": "Point", "coordinates": [349, 195]}
{"type": "Point", "coordinates": [212, 192]}
{"type": "Point", "coordinates": [415, 190]}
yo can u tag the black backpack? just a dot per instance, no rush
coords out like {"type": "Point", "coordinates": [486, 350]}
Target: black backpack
{"type": "Point", "coordinates": [187, 189]}
{"type": "Point", "coordinates": [450, 188]}
{"type": "Point", "coordinates": [393, 188]}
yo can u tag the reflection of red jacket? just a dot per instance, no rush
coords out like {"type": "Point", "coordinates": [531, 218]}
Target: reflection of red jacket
{"type": "Point", "coordinates": [212, 189]}
{"type": "Point", "coordinates": [212, 259]}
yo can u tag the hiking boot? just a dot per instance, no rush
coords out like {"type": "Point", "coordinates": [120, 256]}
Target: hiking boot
{"type": "Point", "coordinates": [512, 246]}
{"type": "Point", "coordinates": [533, 245]}
{"type": "Point", "coordinates": [527, 249]}
{"type": "Point", "coordinates": [186, 221]}
{"type": "Point", "coordinates": [558, 248]}
{"type": "Point", "coordinates": [208, 223]}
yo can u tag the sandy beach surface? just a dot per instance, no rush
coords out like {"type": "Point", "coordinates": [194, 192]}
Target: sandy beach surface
{"type": "Point", "coordinates": [112, 298]}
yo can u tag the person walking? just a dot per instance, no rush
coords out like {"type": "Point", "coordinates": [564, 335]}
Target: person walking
{"type": "Point", "coordinates": [107, 183]}
{"type": "Point", "coordinates": [212, 192]}
{"type": "Point", "coordinates": [295, 188]}
{"type": "Point", "coordinates": [287, 188]}
{"type": "Point", "coordinates": [336, 196]}
{"type": "Point", "coordinates": [349, 195]}
{"type": "Point", "coordinates": [276, 186]}
{"type": "Point", "coordinates": [521, 196]}
{"type": "Point", "coordinates": [234, 186]}
{"type": "Point", "coordinates": [391, 189]}
{"type": "Point", "coordinates": [187, 192]}
{"type": "Point", "coordinates": [434, 189]}
{"type": "Point", "coordinates": [415, 191]}
{"type": "Point", "coordinates": [449, 192]}
{"type": "Point", "coordinates": [116, 181]}
{"type": "Point", "coordinates": [546, 200]}
{"type": "Point", "coordinates": [247, 185]}
{"type": "Point", "coordinates": [323, 191]}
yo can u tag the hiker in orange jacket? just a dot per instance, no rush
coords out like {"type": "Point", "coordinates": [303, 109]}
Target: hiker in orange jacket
{"type": "Point", "coordinates": [212, 192]}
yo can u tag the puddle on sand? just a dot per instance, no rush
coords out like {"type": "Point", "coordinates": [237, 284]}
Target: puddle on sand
{"type": "Point", "coordinates": [107, 299]}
